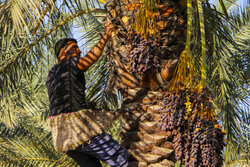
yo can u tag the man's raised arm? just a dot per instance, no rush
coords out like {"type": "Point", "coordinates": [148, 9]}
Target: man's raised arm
{"type": "Point", "coordinates": [94, 54]}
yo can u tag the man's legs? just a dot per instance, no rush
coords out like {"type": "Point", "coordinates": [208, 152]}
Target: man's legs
{"type": "Point", "coordinates": [106, 149]}
{"type": "Point", "coordinates": [83, 159]}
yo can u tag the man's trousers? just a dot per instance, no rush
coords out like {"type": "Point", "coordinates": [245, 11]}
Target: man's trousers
{"type": "Point", "coordinates": [101, 147]}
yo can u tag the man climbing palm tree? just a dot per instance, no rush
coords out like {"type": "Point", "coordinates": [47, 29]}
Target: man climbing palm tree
{"type": "Point", "coordinates": [72, 129]}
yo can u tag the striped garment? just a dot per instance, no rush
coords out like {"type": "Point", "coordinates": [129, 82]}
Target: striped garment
{"type": "Point", "coordinates": [70, 130]}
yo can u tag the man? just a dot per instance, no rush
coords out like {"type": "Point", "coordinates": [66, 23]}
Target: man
{"type": "Point", "coordinates": [72, 130]}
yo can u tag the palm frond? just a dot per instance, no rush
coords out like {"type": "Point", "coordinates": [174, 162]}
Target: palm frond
{"type": "Point", "coordinates": [237, 152]}
{"type": "Point", "coordinates": [27, 145]}
{"type": "Point", "coordinates": [224, 77]}
{"type": "Point", "coordinates": [225, 5]}
{"type": "Point", "coordinates": [7, 64]}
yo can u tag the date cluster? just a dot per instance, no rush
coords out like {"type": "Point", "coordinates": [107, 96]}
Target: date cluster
{"type": "Point", "coordinates": [198, 137]}
{"type": "Point", "coordinates": [144, 53]}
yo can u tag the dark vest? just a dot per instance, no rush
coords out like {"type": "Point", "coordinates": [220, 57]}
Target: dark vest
{"type": "Point", "coordinates": [66, 88]}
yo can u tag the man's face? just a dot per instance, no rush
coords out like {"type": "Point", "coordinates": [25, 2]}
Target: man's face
{"type": "Point", "coordinates": [70, 50]}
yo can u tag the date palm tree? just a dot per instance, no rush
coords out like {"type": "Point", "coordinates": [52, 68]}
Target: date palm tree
{"type": "Point", "coordinates": [30, 28]}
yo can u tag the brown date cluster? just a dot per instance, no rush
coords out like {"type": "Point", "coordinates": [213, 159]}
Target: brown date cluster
{"type": "Point", "coordinates": [144, 53]}
{"type": "Point", "coordinates": [198, 138]}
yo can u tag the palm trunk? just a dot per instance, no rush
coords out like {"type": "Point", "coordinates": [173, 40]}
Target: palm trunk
{"type": "Point", "coordinates": [146, 143]}
{"type": "Point", "coordinates": [142, 57]}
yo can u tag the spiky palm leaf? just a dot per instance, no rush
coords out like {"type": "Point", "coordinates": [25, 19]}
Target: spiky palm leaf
{"type": "Point", "coordinates": [226, 68]}
{"type": "Point", "coordinates": [224, 77]}
{"type": "Point", "coordinates": [237, 151]}
{"type": "Point", "coordinates": [27, 145]}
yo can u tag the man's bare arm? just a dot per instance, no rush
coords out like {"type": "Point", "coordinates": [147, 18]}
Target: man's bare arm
{"type": "Point", "coordinates": [95, 53]}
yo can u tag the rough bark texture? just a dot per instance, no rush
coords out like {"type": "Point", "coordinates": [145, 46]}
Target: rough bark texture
{"type": "Point", "coordinates": [146, 143]}
{"type": "Point", "coordinates": [170, 42]}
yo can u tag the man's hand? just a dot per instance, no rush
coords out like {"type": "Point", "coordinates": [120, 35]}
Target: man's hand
{"type": "Point", "coordinates": [109, 28]}
{"type": "Point", "coordinates": [94, 54]}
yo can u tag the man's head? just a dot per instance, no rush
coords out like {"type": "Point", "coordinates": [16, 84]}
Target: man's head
{"type": "Point", "coordinates": [66, 48]}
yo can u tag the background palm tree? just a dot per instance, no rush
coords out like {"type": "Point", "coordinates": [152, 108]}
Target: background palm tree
{"type": "Point", "coordinates": [29, 30]}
